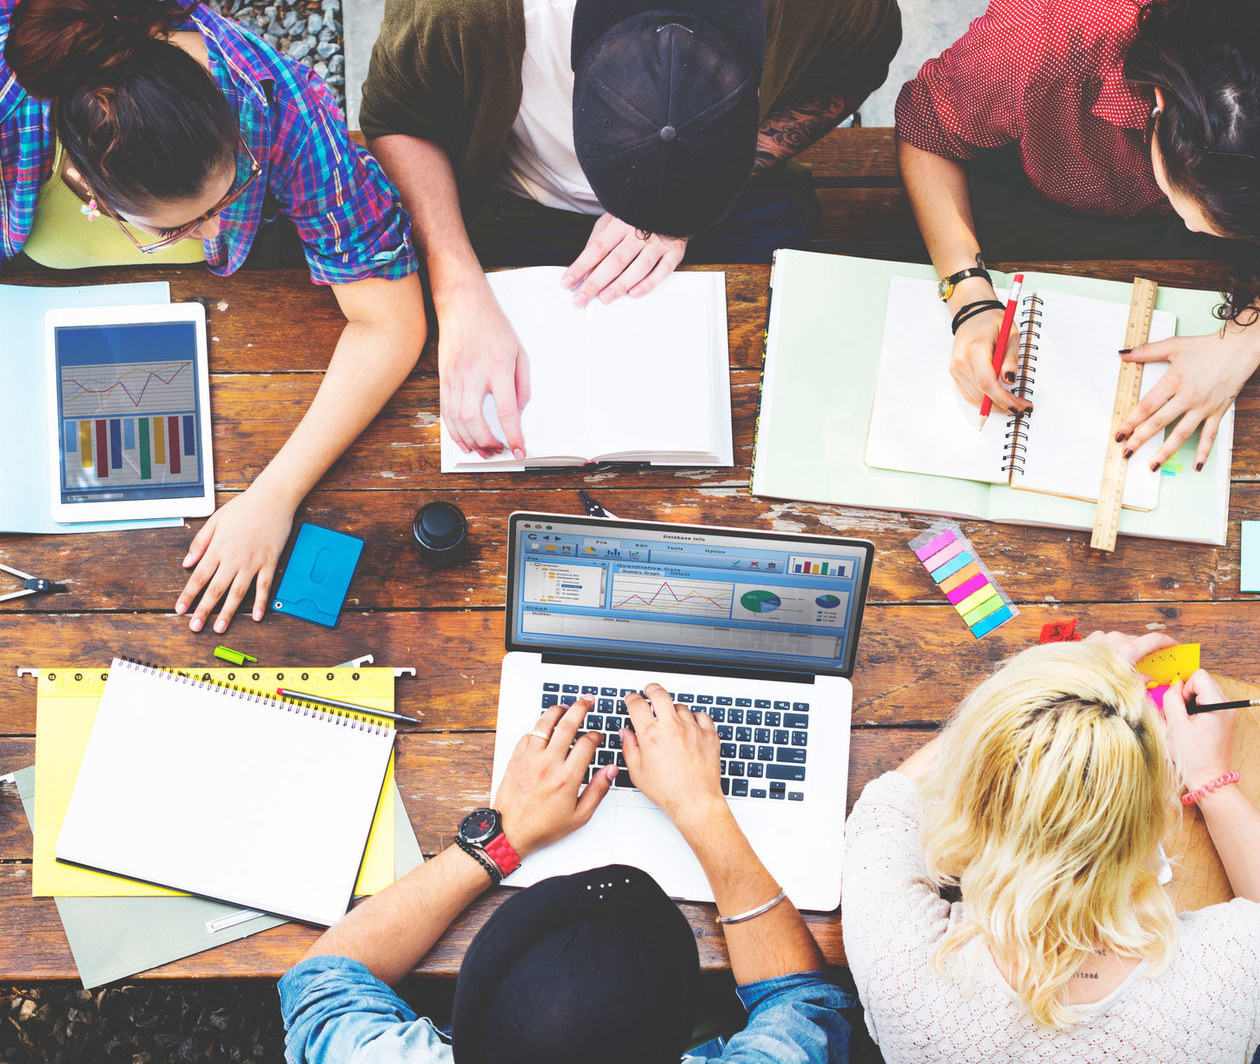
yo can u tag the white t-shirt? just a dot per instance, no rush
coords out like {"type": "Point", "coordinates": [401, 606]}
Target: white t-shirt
{"type": "Point", "coordinates": [1205, 1007]}
{"type": "Point", "coordinates": [539, 161]}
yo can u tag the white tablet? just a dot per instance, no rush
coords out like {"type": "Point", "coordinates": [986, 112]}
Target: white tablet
{"type": "Point", "coordinates": [129, 412]}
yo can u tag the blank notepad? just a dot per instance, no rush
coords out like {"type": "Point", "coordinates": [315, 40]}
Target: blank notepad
{"type": "Point", "coordinates": [226, 793]}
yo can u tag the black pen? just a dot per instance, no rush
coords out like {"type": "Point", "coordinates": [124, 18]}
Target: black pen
{"type": "Point", "coordinates": [1211, 707]}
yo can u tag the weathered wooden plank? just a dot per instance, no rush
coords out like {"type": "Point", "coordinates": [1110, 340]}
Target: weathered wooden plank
{"type": "Point", "coordinates": [139, 570]}
{"type": "Point", "coordinates": [33, 947]}
{"type": "Point", "coordinates": [400, 450]}
{"type": "Point", "coordinates": [854, 156]}
{"type": "Point", "coordinates": [914, 661]}
{"type": "Point", "coordinates": [443, 776]}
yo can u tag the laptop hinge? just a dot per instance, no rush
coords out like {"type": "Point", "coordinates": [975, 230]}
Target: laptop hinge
{"type": "Point", "coordinates": [594, 662]}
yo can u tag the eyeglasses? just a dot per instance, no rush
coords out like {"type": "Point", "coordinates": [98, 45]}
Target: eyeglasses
{"type": "Point", "coordinates": [174, 237]}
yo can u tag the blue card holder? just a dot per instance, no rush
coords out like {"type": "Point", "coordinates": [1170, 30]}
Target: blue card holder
{"type": "Point", "coordinates": [315, 582]}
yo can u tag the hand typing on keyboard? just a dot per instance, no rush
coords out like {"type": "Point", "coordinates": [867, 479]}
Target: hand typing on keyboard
{"type": "Point", "coordinates": [672, 755]}
{"type": "Point", "coordinates": [541, 798]}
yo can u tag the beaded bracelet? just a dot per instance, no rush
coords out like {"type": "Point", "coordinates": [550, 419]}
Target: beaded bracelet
{"type": "Point", "coordinates": [971, 310]}
{"type": "Point", "coordinates": [1208, 788]}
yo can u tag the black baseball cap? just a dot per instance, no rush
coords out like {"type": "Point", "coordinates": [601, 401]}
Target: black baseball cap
{"type": "Point", "coordinates": [665, 107]}
{"type": "Point", "coordinates": [598, 966]}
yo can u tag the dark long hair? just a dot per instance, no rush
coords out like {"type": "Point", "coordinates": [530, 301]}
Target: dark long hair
{"type": "Point", "coordinates": [1204, 56]}
{"type": "Point", "coordinates": [139, 117]}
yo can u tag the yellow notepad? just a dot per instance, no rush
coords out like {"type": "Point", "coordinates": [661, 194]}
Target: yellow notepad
{"type": "Point", "coordinates": [67, 701]}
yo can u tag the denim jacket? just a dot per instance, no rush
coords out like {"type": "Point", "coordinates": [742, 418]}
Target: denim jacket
{"type": "Point", "coordinates": [336, 1012]}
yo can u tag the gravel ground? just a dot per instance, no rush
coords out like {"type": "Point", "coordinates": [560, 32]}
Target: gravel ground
{"type": "Point", "coordinates": [148, 1023]}
{"type": "Point", "coordinates": [306, 30]}
{"type": "Point", "coordinates": [228, 1022]}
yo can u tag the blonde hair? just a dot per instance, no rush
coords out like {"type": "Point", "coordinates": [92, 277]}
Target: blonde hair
{"type": "Point", "coordinates": [1050, 795]}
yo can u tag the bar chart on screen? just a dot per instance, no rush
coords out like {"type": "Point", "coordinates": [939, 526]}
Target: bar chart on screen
{"type": "Point", "coordinates": [129, 423]}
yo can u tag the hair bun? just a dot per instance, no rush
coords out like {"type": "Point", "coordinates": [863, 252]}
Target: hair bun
{"type": "Point", "coordinates": [56, 47]}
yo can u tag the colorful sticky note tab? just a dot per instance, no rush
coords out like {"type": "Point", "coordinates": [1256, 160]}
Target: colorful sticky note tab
{"type": "Point", "coordinates": [1249, 573]}
{"type": "Point", "coordinates": [943, 556]}
{"type": "Point", "coordinates": [951, 561]}
{"type": "Point", "coordinates": [1171, 664]}
{"type": "Point", "coordinates": [954, 569]}
{"type": "Point", "coordinates": [935, 544]}
{"type": "Point", "coordinates": [1156, 695]}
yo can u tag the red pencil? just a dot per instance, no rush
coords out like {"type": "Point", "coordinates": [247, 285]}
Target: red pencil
{"type": "Point", "coordinates": [999, 349]}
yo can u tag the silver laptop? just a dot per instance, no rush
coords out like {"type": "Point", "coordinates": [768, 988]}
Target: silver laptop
{"type": "Point", "coordinates": [758, 629]}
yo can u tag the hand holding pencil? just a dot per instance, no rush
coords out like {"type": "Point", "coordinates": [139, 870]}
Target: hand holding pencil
{"type": "Point", "coordinates": [1002, 351]}
{"type": "Point", "coordinates": [1201, 745]}
{"type": "Point", "coordinates": [972, 359]}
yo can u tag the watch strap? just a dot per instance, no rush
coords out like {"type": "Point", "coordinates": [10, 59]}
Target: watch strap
{"type": "Point", "coordinates": [946, 287]}
{"type": "Point", "coordinates": [500, 851]}
{"type": "Point", "coordinates": [476, 853]}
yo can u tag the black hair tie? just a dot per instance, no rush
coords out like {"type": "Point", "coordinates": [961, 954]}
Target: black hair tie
{"type": "Point", "coordinates": [972, 310]}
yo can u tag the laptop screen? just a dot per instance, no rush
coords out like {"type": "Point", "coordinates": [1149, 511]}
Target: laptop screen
{"type": "Point", "coordinates": [628, 589]}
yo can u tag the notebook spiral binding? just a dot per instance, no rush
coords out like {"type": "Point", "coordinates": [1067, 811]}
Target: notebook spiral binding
{"type": "Point", "coordinates": [1029, 343]}
{"type": "Point", "coordinates": [205, 682]}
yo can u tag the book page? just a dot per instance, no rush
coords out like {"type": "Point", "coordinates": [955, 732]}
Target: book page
{"type": "Point", "coordinates": [919, 422]}
{"type": "Point", "coordinates": [1073, 394]}
{"type": "Point", "coordinates": [649, 368]}
{"type": "Point", "coordinates": [549, 328]}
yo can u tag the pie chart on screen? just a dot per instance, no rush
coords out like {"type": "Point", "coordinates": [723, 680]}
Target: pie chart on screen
{"type": "Point", "coordinates": [828, 602]}
{"type": "Point", "coordinates": [760, 601]}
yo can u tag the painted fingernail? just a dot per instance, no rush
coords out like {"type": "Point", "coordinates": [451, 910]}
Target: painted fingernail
{"type": "Point", "coordinates": [1198, 467]}
{"type": "Point", "coordinates": [1119, 437]}
{"type": "Point", "coordinates": [1128, 454]}
{"type": "Point", "coordinates": [1154, 467]}
{"type": "Point", "coordinates": [1126, 350]}
{"type": "Point", "coordinates": [518, 454]}
{"type": "Point", "coordinates": [1009, 377]}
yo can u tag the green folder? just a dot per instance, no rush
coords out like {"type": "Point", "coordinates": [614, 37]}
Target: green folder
{"type": "Point", "coordinates": [822, 359]}
{"type": "Point", "coordinates": [112, 938]}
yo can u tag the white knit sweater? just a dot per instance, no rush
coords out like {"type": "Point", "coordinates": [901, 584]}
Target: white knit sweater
{"type": "Point", "coordinates": [1205, 1008]}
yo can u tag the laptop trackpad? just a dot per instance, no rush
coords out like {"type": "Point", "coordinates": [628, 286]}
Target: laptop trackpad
{"type": "Point", "coordinates": [647, 839]}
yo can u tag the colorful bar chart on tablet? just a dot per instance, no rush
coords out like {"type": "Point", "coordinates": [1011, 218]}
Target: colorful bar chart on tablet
{"type": "Point", "coordinates": [963, 578]}
{"type": "Point", "coordinates": [129, 413]}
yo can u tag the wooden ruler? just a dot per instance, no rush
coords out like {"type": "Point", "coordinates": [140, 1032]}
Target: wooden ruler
{"type": "Point", "coordinates": [1128, 392]}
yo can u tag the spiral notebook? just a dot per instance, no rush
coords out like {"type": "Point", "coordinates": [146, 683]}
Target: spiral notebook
{"type": "Point", "coordinates": [226, 793]}
{"type": "Point", "coordinates": [1068, 369]}
{"type": "Point", "coordinates": [824, 339]}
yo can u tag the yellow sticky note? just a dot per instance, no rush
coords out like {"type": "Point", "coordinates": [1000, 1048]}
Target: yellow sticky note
{"type": "Point", "coordinates": [1169, 665]}
{"type": "Point", "coordinates": [66, 708]}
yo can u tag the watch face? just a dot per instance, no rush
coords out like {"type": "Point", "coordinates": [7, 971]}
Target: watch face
{"type": "Point", "coordinates": [479, 826]}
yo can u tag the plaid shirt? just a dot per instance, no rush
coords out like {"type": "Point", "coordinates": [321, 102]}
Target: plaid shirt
{"type": "Point", "coordinates": [349, 218]}
{"type": "Point", "coordinates": [1046, 76]}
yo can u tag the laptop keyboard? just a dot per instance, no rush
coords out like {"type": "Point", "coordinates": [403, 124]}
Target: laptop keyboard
{"type": "Point", "coordinates": [764, 742]}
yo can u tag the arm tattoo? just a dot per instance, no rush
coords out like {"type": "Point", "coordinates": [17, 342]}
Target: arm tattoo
{"type": "Point", "coordinates": [788, 131]}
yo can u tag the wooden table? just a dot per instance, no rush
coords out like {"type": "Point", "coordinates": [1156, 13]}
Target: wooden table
{"type": "Point", "coordinates": [272, 333]}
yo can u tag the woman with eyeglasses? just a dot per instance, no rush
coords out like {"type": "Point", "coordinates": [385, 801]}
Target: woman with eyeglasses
{"type": "Point", "coordinates": [1002, 900]}
{"type": "Point", "coordinates": [1125, 112]}
{"type": "Point", "coordinates": [153, 131]}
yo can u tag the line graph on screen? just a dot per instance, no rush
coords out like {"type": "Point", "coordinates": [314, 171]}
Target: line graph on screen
{"type": "Point", "coordinates": [654, 594]}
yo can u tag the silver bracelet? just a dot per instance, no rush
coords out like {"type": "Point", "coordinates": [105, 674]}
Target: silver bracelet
{"type": "Point", "coordinates": [752, 913]}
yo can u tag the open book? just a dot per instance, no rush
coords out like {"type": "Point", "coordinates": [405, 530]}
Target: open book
{"type": "Point", "coordinates": [637, 380]}
{"type": "Point", "coordinates": [1068, 368]}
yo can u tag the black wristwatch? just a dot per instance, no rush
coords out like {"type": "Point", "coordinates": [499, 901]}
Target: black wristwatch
{"type": "Point", "coordinates": [945, 287]}
{"type": "Point", "coordinates": [480, 835]}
